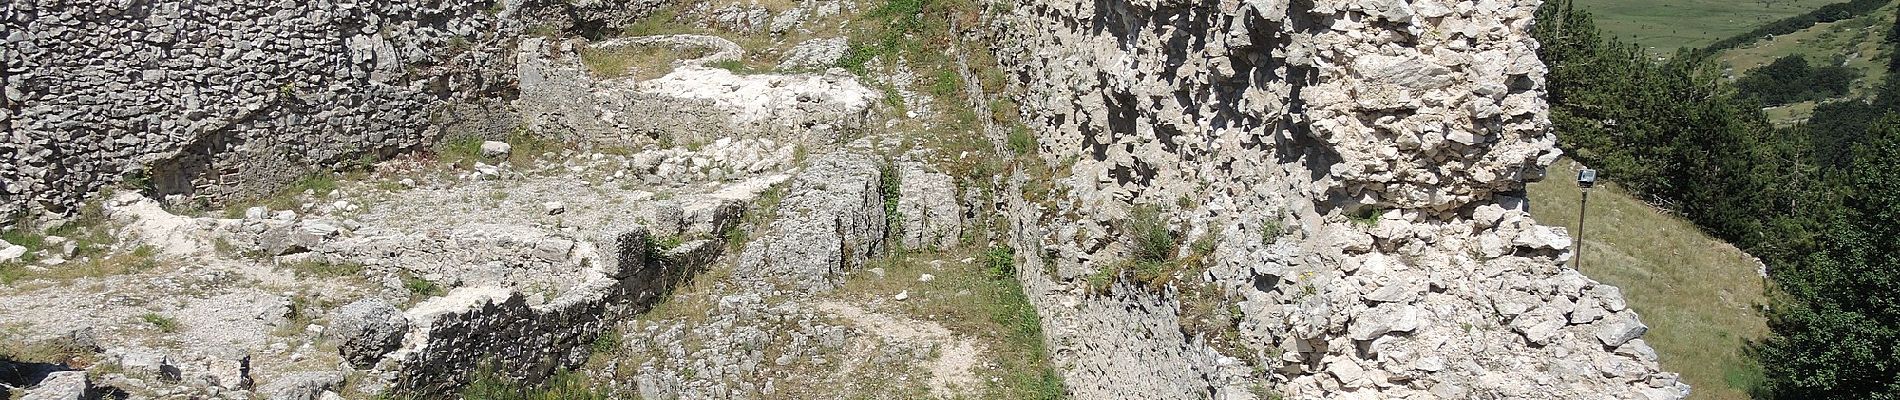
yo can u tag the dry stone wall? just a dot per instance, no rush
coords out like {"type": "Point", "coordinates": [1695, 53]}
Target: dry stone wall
{"type": "Point", "coordinates": [209, 100]}
{"type": "Point", "coordinates": [1354, 167]}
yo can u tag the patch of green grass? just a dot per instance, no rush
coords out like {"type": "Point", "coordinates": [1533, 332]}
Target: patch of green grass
{"type": "Point", "coordinates": [163, 323]}
{"type": "Point", "coordinates": [1666, 25]}
{"type": "Point", "coordinates": [488, 384]}
{"type": "Point", "coordinates": [645, 62]}
{"type": "Point", "coordinates": [461, 151]}
{"type": "Point", "coordinates": [419, 286]}
{"type": "Point", "coordinates": [320, 183]}
{"type": "Point", "coordinates": [321, 268]}
{"type": "Point", "coordinates": [1021, 141]}
{"type": "Point", "coordinates": [526, 146]}
{"type": "Point", "coordinates": [946, 83]}
{"type": "Point", "coordinates": [1698, 294]}
{"type": "Point", "coordinates": [662, 22]}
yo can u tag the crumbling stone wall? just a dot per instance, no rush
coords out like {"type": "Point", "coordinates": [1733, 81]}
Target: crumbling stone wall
{"type": "Point", "coordinates": [210, 100]}
{"type": "Point", "coordinates": [1353, 164]}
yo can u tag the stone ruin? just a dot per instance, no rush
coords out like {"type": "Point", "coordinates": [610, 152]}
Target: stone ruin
{"type": "Point", "coordinates": [1354, 169]}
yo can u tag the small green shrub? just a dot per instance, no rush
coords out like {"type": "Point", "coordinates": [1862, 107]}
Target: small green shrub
{"type": "Point", "coordinates": [1000, 261]}
{"type": "Point", "coordinates": [608, 342]}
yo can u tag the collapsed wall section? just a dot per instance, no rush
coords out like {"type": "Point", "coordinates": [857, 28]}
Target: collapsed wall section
{"type": "Point", "coordinates": [1353, 168]}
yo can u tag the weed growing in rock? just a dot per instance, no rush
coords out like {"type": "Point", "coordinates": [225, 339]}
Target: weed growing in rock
{"type": "Point", "coordinates": [163, 323]}
{"type": "Point", "coordinates": [888, 183]}
{"type": "Point", "coordinates": [1149, 240]}
{"type": "Point", "coordinates": [1369, 217]}
{"type": "Point", "coordinates": [1271, 229]}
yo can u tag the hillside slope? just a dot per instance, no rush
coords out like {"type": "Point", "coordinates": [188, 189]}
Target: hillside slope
{"type": "Point", "coordinates": [1855, 43]}
{"type": "Point", "coordinates": [1663, 26]}
{"type": "Point", "coordinates": [1698, 293]}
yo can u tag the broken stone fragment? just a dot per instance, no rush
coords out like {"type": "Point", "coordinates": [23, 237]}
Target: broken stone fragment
{"type": "Point", "coordinates": [1539, 325]}
{"type": "Point", "coordinates": [554, 207]}
{"type": "Point", "coordinates": [493, 149]}
{"type": "Point", "coordinates": [1386, 318]}
{"type": "Point", "coordinates": [1620, 329]}
{"type": "Point", "coordinates": [366, 330]}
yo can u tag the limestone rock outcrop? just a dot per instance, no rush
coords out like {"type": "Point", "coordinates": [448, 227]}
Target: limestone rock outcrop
{"type": "Point", "coordinates": [831, 221]}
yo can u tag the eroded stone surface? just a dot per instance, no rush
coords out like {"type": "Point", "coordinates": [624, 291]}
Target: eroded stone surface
{"type": "Point", "coordinates": [1354, 165]}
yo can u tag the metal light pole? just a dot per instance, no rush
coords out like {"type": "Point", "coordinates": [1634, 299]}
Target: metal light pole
{"type": "Point", "coordinates": [1586, 179]}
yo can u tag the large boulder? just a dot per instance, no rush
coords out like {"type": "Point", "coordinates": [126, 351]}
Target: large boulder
{"type": "Point", "coordinates": [366, 330]}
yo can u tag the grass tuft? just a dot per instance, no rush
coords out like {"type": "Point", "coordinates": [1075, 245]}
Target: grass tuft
{"type": "Point", "coordinates": [163, 323]}
{"type": "Point", "coordinates": [419, 286]}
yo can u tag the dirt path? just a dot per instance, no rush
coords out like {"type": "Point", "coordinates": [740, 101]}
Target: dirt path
{"type": "Point", "coordinates": [951, 374]}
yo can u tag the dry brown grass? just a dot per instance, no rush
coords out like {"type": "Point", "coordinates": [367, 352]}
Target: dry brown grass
{"type": "Point", "coordinates": [639, 62]}
{"type": "Point", "coordinates": [1697, 294]}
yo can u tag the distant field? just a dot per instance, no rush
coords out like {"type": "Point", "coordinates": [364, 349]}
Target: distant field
{"type": "Point", "coordinates": [1666, 25]}
{"type": "Point", "coordinates": [1696, 293]}
{"type": "Point", "coordinates": [1854, 42]}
